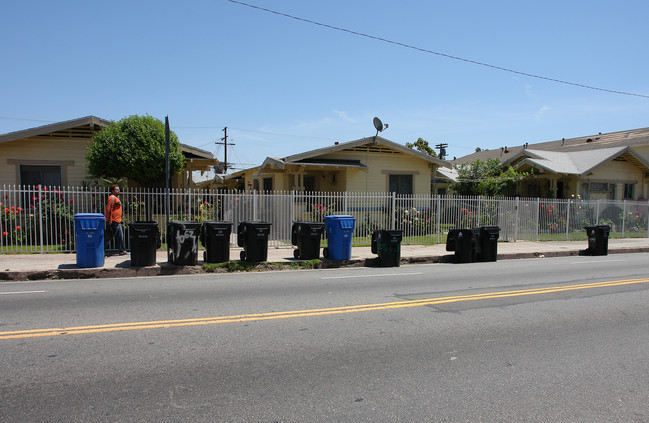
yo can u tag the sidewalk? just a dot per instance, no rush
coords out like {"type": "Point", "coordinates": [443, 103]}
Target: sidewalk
{"type": "Point", "coordinates": [22, 267]}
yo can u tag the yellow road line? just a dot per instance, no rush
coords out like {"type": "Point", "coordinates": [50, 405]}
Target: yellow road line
{"type": "Point", "coordinates": [34, 333]}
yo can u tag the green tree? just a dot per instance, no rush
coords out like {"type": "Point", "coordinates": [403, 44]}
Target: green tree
{"type": "Point", "coordinates": [134, 147]}
{"type": "Point", "coordinates": [422, 146]}
{"type": "Point", "coordinates": [486, 178]}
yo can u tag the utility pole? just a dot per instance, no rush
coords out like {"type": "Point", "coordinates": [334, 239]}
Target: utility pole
{"type": "Point", "coordinates": [442, 150]}
{"type": "Point", "coordinates": [225, 143]}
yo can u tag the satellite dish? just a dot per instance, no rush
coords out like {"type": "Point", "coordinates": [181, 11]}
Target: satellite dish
{"type": "Point", "coordinates": [378, 125]}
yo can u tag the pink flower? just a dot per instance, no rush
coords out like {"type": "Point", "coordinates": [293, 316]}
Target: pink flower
{"type": "Point", "coordinates": [206, 203]}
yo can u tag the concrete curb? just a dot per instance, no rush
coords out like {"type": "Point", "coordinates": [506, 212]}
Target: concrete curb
{"type": "Point", "coordinates": [163, 269]}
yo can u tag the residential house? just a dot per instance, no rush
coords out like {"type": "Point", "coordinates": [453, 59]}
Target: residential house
{"type": "Point", "coordinates": [55, 155]}
{"type": "Point", "coordinates": [604, 166]}
{"type": "Point", "coordinates": [372, 164]}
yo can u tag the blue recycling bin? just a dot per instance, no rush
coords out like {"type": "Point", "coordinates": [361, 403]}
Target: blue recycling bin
{"type": "Point", "coordinates": [89, 239]}
{"type": "Point", "coordinates": [339, 230]}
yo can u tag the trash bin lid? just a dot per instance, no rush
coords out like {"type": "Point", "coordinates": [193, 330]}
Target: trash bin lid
{"type": "Point", "coordinates": [84, 216]}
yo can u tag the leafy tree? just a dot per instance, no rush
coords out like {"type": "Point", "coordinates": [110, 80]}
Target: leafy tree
{"type": "Point", "coordinates": [134, 147]}
{"type": "Point", "coordinates": [478, 149]}
{"type": "Point", "coordinates": [422, 146]}
{"type": "Point", "coordinates": [486, 178]}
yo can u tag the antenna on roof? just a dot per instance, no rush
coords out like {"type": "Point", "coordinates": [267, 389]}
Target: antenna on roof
{"type": "Point", "coordinates": [379, 126]}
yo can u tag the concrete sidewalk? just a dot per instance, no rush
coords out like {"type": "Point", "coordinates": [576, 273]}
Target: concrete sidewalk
{"type": "Point", "coordinates": [22, 267]}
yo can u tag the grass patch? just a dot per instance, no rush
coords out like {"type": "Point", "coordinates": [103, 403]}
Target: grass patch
{"type": "Point", "coordinates": [244, 266]}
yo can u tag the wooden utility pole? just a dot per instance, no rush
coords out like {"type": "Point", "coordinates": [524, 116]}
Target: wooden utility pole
{"type": "Point", "coordinates": [225, 143]}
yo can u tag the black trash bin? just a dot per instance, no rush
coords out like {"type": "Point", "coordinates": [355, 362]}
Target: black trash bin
{"type": "Point", "coordinates": [215, 236]}
{"type": "Point", "coordinates": [253, 237]}
{"type": "Point", "coordinates": [182, 239]}
{"type": "Point", "coordinates": [488, 243]}
{"type": "Point", "coordinates": [143, 240]}
{"type": "Point", "coordinates": [597, 240]}
{"type": "Point", "coordinates": [465, 244]}
{"type": "Point", "coordinates": [307, 236]}
{"type": "Point", "coordinates": [387, 244]}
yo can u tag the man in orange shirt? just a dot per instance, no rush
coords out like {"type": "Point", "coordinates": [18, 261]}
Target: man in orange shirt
{"type": "Point", "coordinates": [113, 213]}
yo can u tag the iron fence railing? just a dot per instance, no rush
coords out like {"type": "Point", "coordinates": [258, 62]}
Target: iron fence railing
{"type": "Point", "coordinates": [41, 219]}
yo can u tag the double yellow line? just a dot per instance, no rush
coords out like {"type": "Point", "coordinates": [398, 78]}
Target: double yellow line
{"type": "Point", "coordinates": [77, 330]}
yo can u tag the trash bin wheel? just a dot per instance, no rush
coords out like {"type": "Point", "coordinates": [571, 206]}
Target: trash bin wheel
{"type": "Point", "coordinates": [242, 256]}
{"type": "Point", "coordinates": [296, 254]}
{"type": "Point", "coordinates": [325, 252]}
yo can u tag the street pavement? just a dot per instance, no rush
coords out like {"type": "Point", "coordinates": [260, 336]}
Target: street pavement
{"type": "Point", "coordinates": [21, 267]}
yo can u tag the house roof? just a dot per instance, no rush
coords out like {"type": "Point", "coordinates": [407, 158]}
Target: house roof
{"type": "Point", "coordinates": [445, 173]}
{"type": "Point", "coordinates": [628, 138]}
{"type": "Point", "coordinates": [575, 162]}
{"type": "Point", "coordinates": [76, 128]}
{"type": "Point", "coordinates": [313, 158]}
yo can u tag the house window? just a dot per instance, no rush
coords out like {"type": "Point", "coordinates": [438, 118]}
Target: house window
{"type": "Point", "coordinates": [599, 187]}
{"type": "Point", "coordinates": [628, 191]}
{"type": "Point", "coordinates": [401, 184]}
{"type": "Point", "coordinates": [268, 184]}
{"type": "Point", "coordinates": [309, 183]}
{"type": "Point", "coordinates": [40, 175]}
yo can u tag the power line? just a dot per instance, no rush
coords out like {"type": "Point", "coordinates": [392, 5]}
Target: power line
{"type": "Point", "coordinates": [448, 56]}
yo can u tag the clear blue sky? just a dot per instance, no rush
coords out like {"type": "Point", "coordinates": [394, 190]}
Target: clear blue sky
{"type": "Point", "coordinates": [283, 86]}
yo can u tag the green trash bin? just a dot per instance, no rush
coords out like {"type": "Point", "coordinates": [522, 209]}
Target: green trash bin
{"type": "Point", "coordinates": [387, 244]}
{"type": "Point", "coordinates": [143, 240]}
{"type": "Point", "coordinates": [215, 236]}
{"type": "Point", "coordinates": [253, 237]}
{"type": "Point", "coordinates": [597, 240]}
{"type": "Point", "coordinates": [182, 240]}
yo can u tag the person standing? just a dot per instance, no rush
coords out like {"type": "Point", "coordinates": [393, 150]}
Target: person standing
{"type": "Point", "coordinates": [113, 213]}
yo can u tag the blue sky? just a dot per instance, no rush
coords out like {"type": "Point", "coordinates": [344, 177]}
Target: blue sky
{"type": "Point", "coordinates": [283, 86]}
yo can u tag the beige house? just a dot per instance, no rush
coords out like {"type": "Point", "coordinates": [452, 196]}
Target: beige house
{"type": "Point", "coordinates": [372, 164]}
{"type": "Point", "coordinates": [604, 166]}
{"type": "Point", "coordinates": [54, 155]}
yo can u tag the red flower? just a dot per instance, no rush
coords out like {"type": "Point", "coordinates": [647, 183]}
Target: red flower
{"type": "Point", "coordinates": [206, 203]}
{"type": "Point", "coordinates": [20, 209]}
{"type": "Point", "coordinates": [17, 228]}
{"type": "Point", "coordinates": [13, 208]}
{"type": "Point", "coordinates": [71, 200]}
{"type": "Point", "coordinates": [5, 233]}
{"type": "Point", "coordinates": [6, 210]}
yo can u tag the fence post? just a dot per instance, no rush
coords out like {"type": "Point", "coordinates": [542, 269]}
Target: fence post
{"type": "Point", "coordinates": [568, 219]}
{"type": "Point", "coordinates": [40, 218]}
{"type": "Point", "coordinates": [393, 207]}
{"type": "Point", "coordinates": [438, 217]}
{"type": "Point", "coordinates": [345, 202]}
{"type": "Point", "coordinates": [254, 205]}
{"type": "Point", "coordinates": [597, 215]}
{"type": "Point", "coordinates": [517, 210]}
{"type": "Point", "coordinates": [536, 217]}
{"type": "Point", "coordinates": [479, 210]}
{"type": "Point", "coordinates": [623, 217]}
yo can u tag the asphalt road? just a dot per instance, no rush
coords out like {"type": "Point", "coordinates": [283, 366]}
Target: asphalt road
{"type": "Point", "coordinates": [543, 340]}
